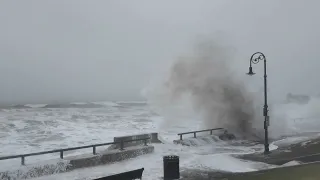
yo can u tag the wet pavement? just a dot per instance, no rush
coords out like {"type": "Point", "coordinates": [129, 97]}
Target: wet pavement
{"type": "Point", "coordinates": [306, 151]}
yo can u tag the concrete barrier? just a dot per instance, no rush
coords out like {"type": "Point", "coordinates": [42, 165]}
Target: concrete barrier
{"type": "Point", "coordinates": [204, 140]}
{"type": "Point", "coordinates": [108, 156]}
{"type": "Point", "coordinates": [70, 163]}
{"type": "Point", "coordinates": [153, 139]}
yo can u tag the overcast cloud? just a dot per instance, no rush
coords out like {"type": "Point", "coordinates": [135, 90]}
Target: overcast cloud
{"type": "Point", "coordinates": [81, 50]}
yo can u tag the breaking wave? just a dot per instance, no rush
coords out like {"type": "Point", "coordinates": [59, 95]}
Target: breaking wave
{"type": "Point", "coordinates": [204, 87]}
{"type": "Point", "coordinates": [205, 81]}
{"type": "Point", "coordinates": [76, 105]}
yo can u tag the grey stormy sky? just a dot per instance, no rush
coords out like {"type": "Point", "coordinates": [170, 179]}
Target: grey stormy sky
{"type": "Point", "coordinates": [78, 50]}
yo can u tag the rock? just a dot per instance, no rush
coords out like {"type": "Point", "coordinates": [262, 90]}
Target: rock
{"type": "Point", "coordinates": [227, 136]}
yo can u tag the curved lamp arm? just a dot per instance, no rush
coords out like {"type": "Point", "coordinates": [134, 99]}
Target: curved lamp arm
{"type": "Point", "coordinates": [255, 61]}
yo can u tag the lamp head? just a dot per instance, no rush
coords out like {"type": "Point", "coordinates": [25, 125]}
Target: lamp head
{"type": "Point", "coordinates": [250, 73]}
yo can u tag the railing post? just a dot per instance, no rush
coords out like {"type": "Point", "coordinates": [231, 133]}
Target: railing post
{"type": "Point", "coordinates": [22, 160]}
{"type": "Point", "coordinates": [180, 136]}
{"type": "Point", "coordinates": [94, 150]}
{"type": "Point", "coordinates": [211, 132]}
{"type": "Point", "coordinates": [145, 142]}
{"type": "Point", "coordinates": [194, 135]}
{"type": "Point", "coordinates": [61, 154]}
{"type": "Point", "coordinates": [121, 146]}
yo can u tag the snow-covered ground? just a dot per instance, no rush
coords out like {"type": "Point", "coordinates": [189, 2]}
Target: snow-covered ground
{"type": "Point", "coordinates": [37, 129]}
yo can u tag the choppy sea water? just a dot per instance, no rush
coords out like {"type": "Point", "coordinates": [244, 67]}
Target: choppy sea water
{"type": "Point", "coordinates": [33, 128]}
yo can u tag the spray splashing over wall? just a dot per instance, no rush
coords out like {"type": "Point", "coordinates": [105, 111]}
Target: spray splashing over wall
{"type": "Point", "coordinates": [213, 90]}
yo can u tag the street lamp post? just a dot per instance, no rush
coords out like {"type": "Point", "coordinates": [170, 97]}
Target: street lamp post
{"type": "Point", "coordinates": [255, 58]}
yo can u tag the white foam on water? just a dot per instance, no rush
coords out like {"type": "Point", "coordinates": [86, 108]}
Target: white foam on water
{"type": "Point", "coordinates": [42, 168]}
{"type": "Point", "coordinates": [33, 130]}
{"type": "Point", "coordinates": [106, 103]}
{"type": "Point", "coordinates": [202, 158]}
{"type": "Point", "coordinates": [294, 119]}
{"type": "Point", "coordinates": [291, 163]}
{"type": "Point", "coordinates": [36, 105]}
{"type": "Point", "coordinates": [294, 140]}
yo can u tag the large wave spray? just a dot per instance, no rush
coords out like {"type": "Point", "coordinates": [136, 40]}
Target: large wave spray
{"type": "Point", "coordinates": [213, 90]}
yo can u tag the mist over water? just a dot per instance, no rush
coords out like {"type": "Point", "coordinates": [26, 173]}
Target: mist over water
{"type": "Point", "coordinates": [205, 86]}
{"type": "Point", "coordinates": [214, 92]}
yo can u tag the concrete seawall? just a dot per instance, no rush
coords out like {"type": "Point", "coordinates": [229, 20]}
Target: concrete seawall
{"type": "Point", "coordinates": [204, 140]}
{"type": "Point", "coordinates": [106, 157]}
{"type": "Point", "coordinates": [153, 139]}
{"type": "Point", "coordinates": [74, 162]}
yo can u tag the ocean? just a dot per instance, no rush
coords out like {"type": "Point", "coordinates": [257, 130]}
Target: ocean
{"type": "Point", "coordinates": [34, 128]}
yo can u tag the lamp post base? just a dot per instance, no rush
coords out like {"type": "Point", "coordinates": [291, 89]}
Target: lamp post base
{"type": "Point", "coordinates": [266, 149]}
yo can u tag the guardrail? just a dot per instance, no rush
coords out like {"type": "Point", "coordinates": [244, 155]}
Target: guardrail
{"type": "Point", "coordinates": [22, 156]}
{"type": "Point", "coordinates": [195, 132]}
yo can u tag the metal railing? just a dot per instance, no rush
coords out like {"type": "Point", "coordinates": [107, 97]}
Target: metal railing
{"type": "Point", "coordinates": [22, 156]}
{"type": "Point", "coordinates": [195, 132]}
